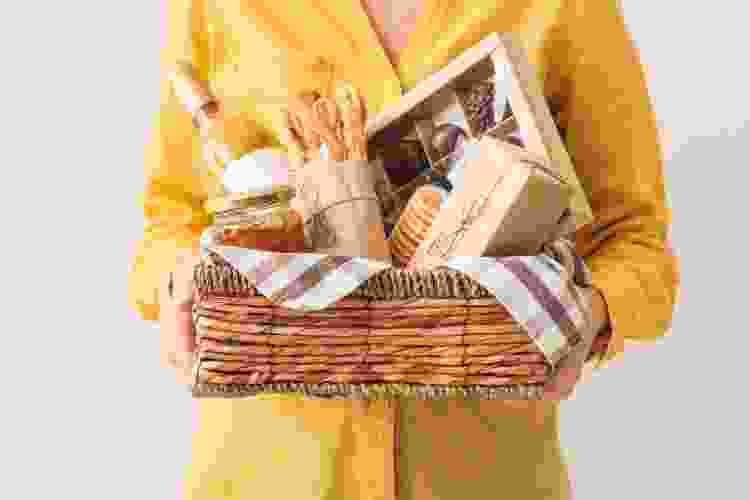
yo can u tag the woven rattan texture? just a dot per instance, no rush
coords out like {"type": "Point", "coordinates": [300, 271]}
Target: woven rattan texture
{"type": "Point", "coordinates": [215, 278]}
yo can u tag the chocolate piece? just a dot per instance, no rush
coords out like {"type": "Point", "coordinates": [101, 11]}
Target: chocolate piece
{"type": "Point", "coordinates": [478, 102]}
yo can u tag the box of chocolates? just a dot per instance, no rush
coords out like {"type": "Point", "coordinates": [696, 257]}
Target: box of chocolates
{"type": "Point", "coordinates": [489, 91]}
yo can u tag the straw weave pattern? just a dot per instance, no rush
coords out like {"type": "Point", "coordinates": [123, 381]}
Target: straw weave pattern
{"type": "Point", "coordinates": [215, 279]}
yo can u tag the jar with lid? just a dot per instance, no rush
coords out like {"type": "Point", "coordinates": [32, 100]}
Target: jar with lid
{"type": "Point", "coordinates": [256, 220]}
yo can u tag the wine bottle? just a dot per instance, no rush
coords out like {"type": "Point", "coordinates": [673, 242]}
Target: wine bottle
{"type": "Point", "coordinates": [221, 144]}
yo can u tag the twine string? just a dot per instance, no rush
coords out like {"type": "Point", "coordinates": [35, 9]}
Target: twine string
{"type": "Point", "coordinates": [321, 233]}
{"type": "Point", "coordinates": [444, 244]}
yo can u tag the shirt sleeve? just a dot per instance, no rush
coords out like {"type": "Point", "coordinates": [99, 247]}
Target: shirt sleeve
{"type": "Point", "coordinates": [176, 176]}
{"type": "Point", "coordinates": [613, 141]}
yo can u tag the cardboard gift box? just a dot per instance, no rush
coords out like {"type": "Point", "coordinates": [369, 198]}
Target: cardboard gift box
{"type": "Point", "coordinates": [519, 114]}
{"type": "Point", "coordinates": [510, 203]}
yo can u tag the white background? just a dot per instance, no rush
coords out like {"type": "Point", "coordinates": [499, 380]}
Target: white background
{"type": "Point", "coordinates": [87, 412]}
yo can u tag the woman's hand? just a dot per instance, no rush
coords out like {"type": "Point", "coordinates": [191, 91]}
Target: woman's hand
{"type": "Point", "coordinates": [176, 332]}
{"type": "Point", "coordinates": [569, 369]}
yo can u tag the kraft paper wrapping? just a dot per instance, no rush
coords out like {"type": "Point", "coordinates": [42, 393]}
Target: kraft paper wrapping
{"type": "Point", "coordinates": [343, 214]}
{"type": "Point", "coordinates": [509, 204]}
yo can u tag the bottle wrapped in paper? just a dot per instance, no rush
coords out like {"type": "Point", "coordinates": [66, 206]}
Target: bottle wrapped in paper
{"type": "Point", "coordinates": [509, 204]}
{"type": "Point", "coordinates": [341, 209]}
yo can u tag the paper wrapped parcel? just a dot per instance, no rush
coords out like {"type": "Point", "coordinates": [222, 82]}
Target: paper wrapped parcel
{"type": "Point", "coordinates": [544, 293]}
{"type": "Point", "coordinates": [509, 202]}
{"type": "Point", "coordinates": [341, 208]}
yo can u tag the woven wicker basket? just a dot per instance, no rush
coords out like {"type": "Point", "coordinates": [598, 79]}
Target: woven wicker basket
{"type": "Point", "coordinates": [420, 334]}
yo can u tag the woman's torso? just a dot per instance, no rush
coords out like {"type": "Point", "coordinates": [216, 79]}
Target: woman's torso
{"type": "Point", "coordinates": [262, 52]}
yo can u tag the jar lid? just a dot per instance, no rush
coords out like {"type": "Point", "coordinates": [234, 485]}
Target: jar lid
{"type": "Point", "coordinates": [233, 201]}
{"type": "Point", "coordinates": [258, 171]}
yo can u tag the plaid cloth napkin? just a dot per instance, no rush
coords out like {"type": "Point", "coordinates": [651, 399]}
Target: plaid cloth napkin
{"type": "Point", "coordinates": [541, 292]}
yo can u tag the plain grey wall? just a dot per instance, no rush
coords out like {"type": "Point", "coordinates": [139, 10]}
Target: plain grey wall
{"type": "Point", "coordinates": [87, 411]}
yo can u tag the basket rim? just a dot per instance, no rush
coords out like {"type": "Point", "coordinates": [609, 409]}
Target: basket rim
{"type": "Point", "coordinates": [215, 276]}
{"type": "Point", "coordinates": [370, 391]}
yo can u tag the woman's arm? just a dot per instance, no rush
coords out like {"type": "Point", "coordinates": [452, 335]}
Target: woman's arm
{"type": "Point", "coordinates": [612, 138]}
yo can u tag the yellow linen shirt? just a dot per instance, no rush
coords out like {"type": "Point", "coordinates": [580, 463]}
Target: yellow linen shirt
{"type": "Point", "coordinates": [257, 53]}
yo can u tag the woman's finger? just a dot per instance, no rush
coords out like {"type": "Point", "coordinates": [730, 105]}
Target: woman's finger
{"type": "Point", "coordinates": [176, 331]}
{"type": "Point", "coordinates": [562, 384]}
{"type": "Point", "coordinates": [177, 339]}
{"type": "Point", "coordinates": [567, 374]}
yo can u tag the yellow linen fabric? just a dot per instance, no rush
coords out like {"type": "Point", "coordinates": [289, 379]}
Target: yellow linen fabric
{"type": "Point", "coordinates": [256, 54]}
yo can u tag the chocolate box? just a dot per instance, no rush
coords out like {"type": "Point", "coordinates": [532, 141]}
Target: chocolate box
{"type": "Point", "coordinates": [489, 90]}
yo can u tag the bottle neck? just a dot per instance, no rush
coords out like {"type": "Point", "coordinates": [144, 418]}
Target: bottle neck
{"type": "Point", "coordinates": [209, 121]}
{"type": "Point", "coordinates": [206, 114]}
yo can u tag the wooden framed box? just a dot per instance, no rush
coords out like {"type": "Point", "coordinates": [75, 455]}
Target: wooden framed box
{"type": "Point", "coordinates": [499, 63]}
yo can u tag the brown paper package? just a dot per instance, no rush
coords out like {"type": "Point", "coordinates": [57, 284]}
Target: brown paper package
{"type": "Point", "coordinates": [510, 204]}
{"type": "Point", "coordinates": [341, 209]}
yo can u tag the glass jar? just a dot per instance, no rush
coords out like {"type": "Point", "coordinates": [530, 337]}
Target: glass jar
{"type": "Point", "coordinates": [260, 221]}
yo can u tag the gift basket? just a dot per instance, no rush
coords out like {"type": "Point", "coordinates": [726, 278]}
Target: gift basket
{"type": "Point", "coordinates": [455, 281]}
